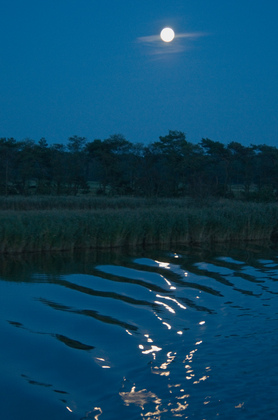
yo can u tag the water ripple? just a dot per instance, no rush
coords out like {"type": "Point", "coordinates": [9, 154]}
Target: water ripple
{"type": "Point", "coordinates": [157, 335]}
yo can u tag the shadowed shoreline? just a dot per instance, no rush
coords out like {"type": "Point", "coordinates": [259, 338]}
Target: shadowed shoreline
{"type": "Point", "coordinates": [34, 224]}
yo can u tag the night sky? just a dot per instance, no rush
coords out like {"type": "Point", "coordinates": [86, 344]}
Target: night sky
{"type": "Point", "coordinates": [95, 68]}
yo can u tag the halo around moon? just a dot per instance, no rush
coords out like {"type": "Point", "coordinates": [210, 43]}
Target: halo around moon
{"type": "Point", "coordinates": [167, 34]}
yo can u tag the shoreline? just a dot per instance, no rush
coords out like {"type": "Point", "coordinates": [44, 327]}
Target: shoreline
{"type": "Point", "coordinates": [118, 222]}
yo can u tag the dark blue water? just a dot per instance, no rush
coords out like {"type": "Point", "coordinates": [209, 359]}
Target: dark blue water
{"type": "Point", "coordinates": [188, 333]}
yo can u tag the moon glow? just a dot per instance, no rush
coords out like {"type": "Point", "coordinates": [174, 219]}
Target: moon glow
{"type": "Point", "coordinates": [167, 34]}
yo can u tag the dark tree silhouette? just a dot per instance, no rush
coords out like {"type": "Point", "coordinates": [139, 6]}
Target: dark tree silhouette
{"type": "Point", "coordinates": [169, 167]}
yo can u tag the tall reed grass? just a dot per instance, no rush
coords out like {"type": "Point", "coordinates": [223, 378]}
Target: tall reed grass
{"type": "Point", "coordinates": [83, 202]}
{"type": "Point", "coordinates": [108, 223]}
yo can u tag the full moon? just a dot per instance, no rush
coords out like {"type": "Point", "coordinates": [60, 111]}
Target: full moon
{"type": "Point", "coordinates": [167, 34]}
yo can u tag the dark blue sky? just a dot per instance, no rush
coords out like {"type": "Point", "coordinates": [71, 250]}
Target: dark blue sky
{"type": "Point", "coordinates": [81, 67]}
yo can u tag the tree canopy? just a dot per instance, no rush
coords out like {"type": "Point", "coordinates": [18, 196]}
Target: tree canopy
{"type": "Point", "coordinates": [170, 167]}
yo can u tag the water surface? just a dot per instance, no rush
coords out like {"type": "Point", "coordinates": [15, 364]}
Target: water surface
{"type": "Point", "coordinates": [188, 333]}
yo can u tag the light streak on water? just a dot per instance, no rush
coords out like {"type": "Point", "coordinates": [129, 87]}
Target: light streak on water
{"type": "Point", "coordinates": [166, 335]}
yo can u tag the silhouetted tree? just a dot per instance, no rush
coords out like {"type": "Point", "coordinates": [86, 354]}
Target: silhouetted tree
{"type": "Point", "coordinates": [169, 167]}
{"type": "Point", "coordinates": [59, 165]}
{"type": "Point", "coordinates": [109, 159]}
{"type": "Point", "coordinates": [77, 165]}
{"type": "Point", "coordinates": [217, 165]}
{"type": "Point", "coordinates": [43, 169]}
{"type": "Point", "coordinates": [243, 165]}
{"type": "Point", "coordinates": [266, 174]}
{"type": "Point", "coordinates": [172, 151]}
{"type": "Point", "coordinates": [8, 167]}
{"type": "Point", "coordinates": [27, 166]}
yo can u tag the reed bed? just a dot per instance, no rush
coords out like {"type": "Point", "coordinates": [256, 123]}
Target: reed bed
{"type": "Point", "coordinates": [84, 202]}
{"type": "Point", "coordinates": [109, 223]}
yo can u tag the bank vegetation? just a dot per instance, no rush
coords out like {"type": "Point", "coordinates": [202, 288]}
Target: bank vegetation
{"type": "Point", "coordinates": [40, 224]}
{"type": "Point", "coordinates": [114, 193]}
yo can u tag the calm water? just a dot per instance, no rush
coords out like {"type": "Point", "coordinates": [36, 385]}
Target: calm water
{"type": "Point", "coordinates": [186, 333]}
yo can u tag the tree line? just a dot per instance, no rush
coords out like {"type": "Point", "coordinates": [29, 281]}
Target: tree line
{"type": "Point", "coordinates": [169, 167]}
